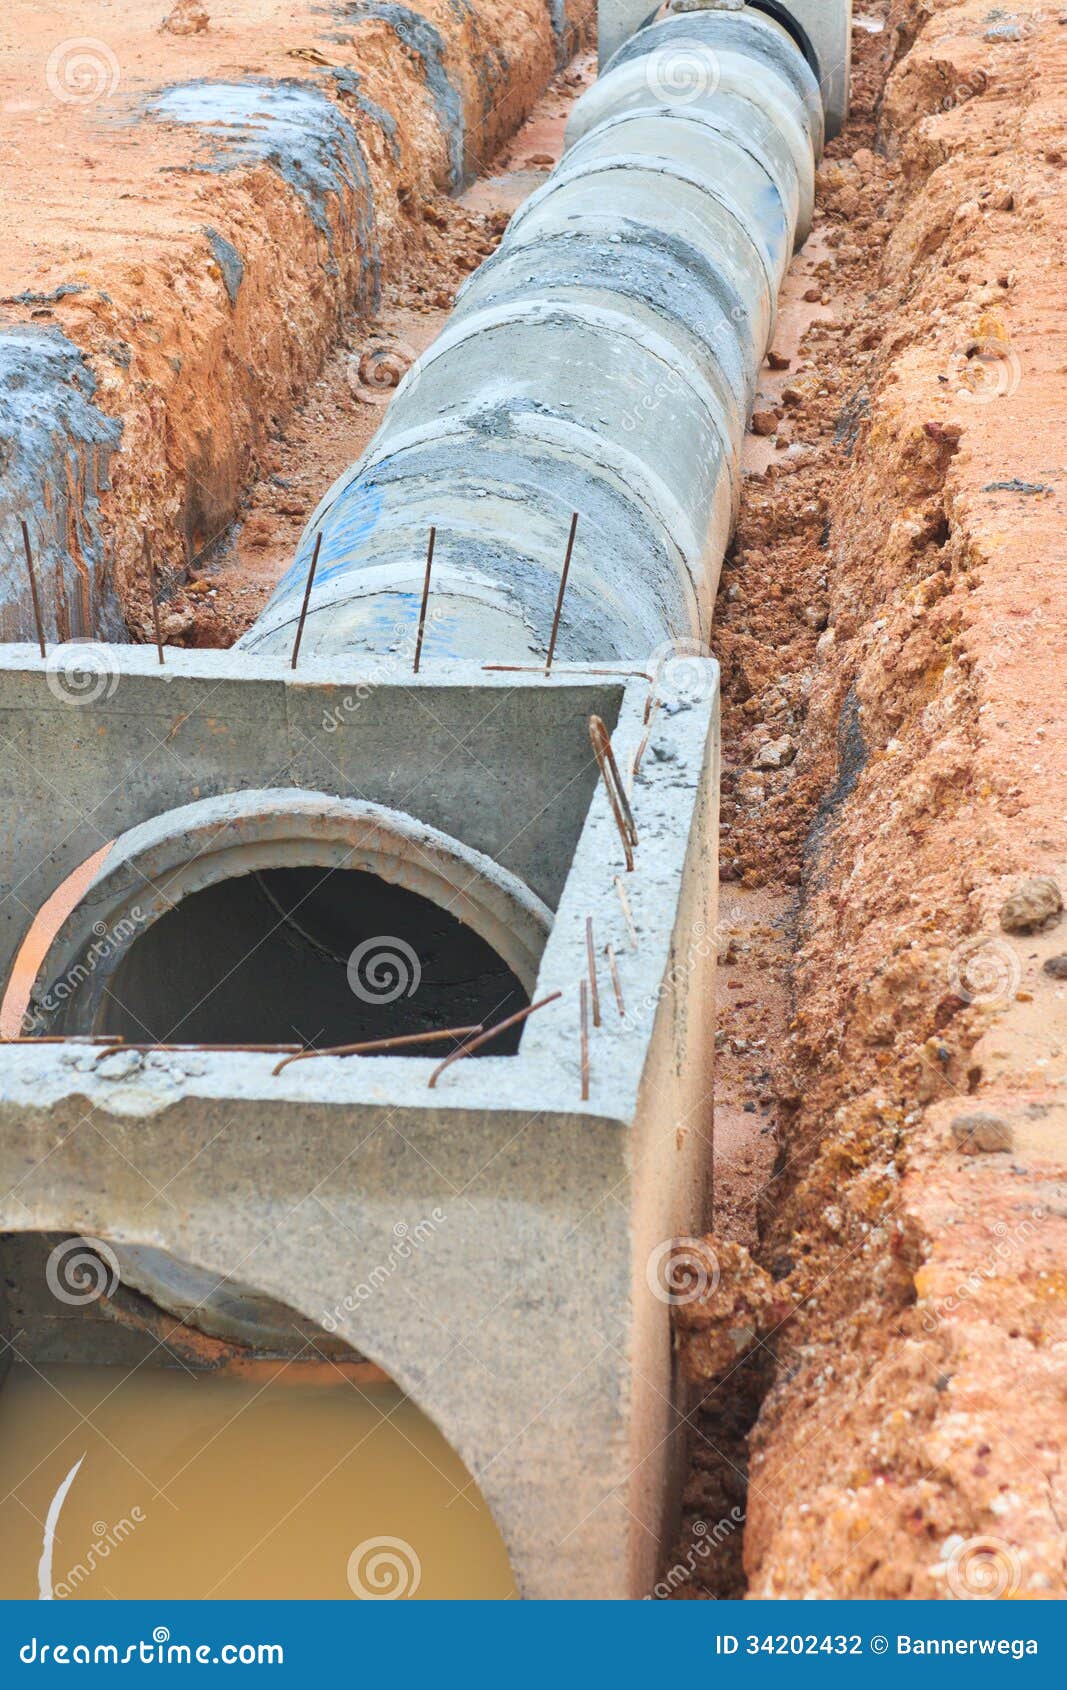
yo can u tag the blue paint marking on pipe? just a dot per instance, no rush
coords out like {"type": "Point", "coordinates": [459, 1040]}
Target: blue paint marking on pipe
{"type": "Point", "coordinates": [296, 129]}
{"type": "Point", "coordinates": [421, 38]}
{"type": "Point", "coordinates": [55, 446]}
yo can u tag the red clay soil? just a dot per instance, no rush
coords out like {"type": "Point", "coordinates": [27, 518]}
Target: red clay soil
{"type": "Point", "coordinates": [891, 630]}
{"type": "Point", "coordinates": [117, 209]}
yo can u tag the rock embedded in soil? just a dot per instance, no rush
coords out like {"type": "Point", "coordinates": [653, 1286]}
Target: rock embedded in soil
{"type": "Point", "coordinates": [1056, 966]}
{"type": "Point", "coordinates": [982, 1132]}
{"type": "Point", "coordinates": [1034, 905]}
{"type": "Point", "coordinates": [776, 754]}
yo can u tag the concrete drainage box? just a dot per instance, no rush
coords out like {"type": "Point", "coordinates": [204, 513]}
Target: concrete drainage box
{"type": "Point", "coordinates": [491, 1242]}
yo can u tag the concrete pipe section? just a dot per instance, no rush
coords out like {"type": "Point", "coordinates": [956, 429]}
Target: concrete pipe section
{"type": "Point", "coordinates": [603, 361]}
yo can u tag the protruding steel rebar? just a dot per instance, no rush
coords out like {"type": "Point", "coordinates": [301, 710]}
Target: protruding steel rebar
{"type": "Point", "coordinates": [153, 595]}
{"type": "Point", "coordinates": [33, 585]}
{"type": "Point", "coordinates": [307, 596]}
{"type": "Point", "coordinates": [613, 969]}
{"type": "Point", "coordinates": [590, 952]}
{"type": "Point", "coordinates": [237, 1049]}
{"type": "Point", "coordinates": [625, 902]}
{"type": "Point", "coordinates": [109, 1040]}
{"type": "Point", "coordinates": [585, 1040]}
{"type": "Point", "coordinates": [425, 599]}
{"type": "Point", "coordinates": [562, 590]}
{"type": "Point", "coordinates": [620, 804]}
{"type": "Point", "coordinates": [501, 1027]}
{"type": "Point", "coordinates": [369, 1049]}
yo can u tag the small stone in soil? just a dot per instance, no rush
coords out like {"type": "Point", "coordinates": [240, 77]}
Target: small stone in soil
{"type": "Point", "coordinates": [1057, 966]}
{"type": "Point", "coordinates": [981, 1132]}
{"type": "Point", "coordinates": [1035, 903]}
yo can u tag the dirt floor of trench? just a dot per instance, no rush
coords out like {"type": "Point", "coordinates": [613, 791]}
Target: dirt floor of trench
{"type": "Point", "coordinates": [892, 1009]}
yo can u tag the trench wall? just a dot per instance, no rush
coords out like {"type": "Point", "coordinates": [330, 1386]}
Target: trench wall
{"type": "Point", "coordinates": [195, 213]}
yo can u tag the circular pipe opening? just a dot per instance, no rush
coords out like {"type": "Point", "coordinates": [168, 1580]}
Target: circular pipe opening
{"type": "Point", "coordinates": [307, 956]}
{"type": "Point", "coordinates": [291, 918]}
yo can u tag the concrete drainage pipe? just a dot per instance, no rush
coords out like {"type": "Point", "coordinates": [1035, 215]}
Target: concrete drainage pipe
{"type": "Point", "coordinates": [603, 361]}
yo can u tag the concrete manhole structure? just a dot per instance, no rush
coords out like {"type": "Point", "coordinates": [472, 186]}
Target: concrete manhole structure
{"type": "Point", "coordinates": [524, 841]}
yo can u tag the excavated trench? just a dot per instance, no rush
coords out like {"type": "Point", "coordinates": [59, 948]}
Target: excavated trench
{"type": "Point", "coordinates": [876, 1409]}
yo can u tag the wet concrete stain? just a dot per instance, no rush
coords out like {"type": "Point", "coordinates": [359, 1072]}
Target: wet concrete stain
{"type": "Point", "coordinates": [421, 38]}
{"type": "Point", "coordinates": [229, 262]}
{"type": "Point", "coordinates": [350, 86]}
{"type": "Point", "coordinates": [55, 452]}
{"type": "Point", "coordinates": [297, 130]}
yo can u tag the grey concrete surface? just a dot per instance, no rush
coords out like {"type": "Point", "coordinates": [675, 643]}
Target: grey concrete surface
{"type": "Point", "coordinates": [824, 26]}
{"type": "Point", "coordinates": [300, 1184]}
{"type": "Point", "coordinates": [604, 361]}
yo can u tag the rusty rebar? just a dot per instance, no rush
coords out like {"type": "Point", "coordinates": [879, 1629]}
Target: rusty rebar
{"type": "Point", "coordinates": [425, 599]}
{"type": "Point", "coordinates": [33, 586]}
{"type": "Point", "coordinates": [585, 1040]}
{"type": "Point", "coordinates": [613, 970]}
{"type": "Point", "coordinates": [625, 902]}
{"type": "Point", "coordinates": [110, 1040]}
{"type": "Point", "coordinates": [307, 596]}
{"type": "Point", "coordinates": [237, 1049]}
{"type": "Point", "coordinates": [501, 1027]}
{"type": "Point", "coordinates": [643, 747]}
{"type": "Point", "coordinates": [373, 1045]}
{"type": "Point", "coordinates": [152, 593]}
{"type": "Point", "coordinates": [620, 804]}
{"type": "Point", "coordinates": [562, 590]}
{"type": "Point", "coordinates": [590, 952]}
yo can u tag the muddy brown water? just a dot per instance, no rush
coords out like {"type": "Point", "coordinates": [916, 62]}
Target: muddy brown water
{"type": "Point", "coordinates": [284, 1484]}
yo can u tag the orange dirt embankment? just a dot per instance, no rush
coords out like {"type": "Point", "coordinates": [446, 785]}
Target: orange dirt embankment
{"type": "Point", "coordinates": [202, 248]}
{"type": "Point", "coordinates": [896, 612]}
